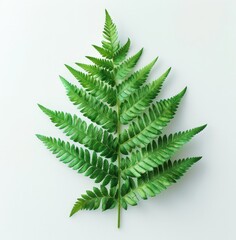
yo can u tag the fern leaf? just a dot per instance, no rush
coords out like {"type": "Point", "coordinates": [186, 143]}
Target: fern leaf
{"type": "Point", "coordinates": [78, 131]}
{"type": "Point", "coordinates": [140, 100]}
{"type": "Point", "coordinates": [153, 183]}
{"type": "Point", "coordinates": [104, 53]}
{"type": "Point", "coordinates": [82, 161]}
{"type": "Point", "coordinates": [114, 94]}
{"type": "Point", "coordinates": [98, 72]}
{"type": "Point", "coordinates": [156, 153]}
{"type": "Point", "coordinates": [149, 126]}
{"type": "Point", "coordinates": [121, 53]}
{"type": "Point", "coordinates": [110, 34]}
{"type": "Point", "coordinates": [93, 199]}
{"type": "Point", "coordinates": [95, 110]}
{"type": "Point", "coordinates": [125, 68]}
{"type": "Point", "coordinates": [103, 63]}
{"type": "Point", "coordinates": [134, 81]}
{"type": "Point", "coordinates": [95, 87]}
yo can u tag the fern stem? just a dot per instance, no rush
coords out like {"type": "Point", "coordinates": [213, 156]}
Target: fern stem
{"type": "Point", "coordinates": [118, 149]}
{"type": "Point", "coordinates": [118, 160]}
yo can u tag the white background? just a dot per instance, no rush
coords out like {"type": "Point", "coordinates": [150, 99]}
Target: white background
{"type": "Point", "coordinates": [196, 38]}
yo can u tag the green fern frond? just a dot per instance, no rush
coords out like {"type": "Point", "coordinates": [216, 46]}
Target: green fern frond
{"type": "Point", "coordinates": [82, 161]}
{"type": "Point", "coordinates": [153, 183]}
{"type": "Point", "coordinates": [93, 199]}
{"type": "Point", "coordinates": [95, 87]}
{"type": "Point", "coordinates": [135, 81]}
{"type": "Point", "coordinates": [90, 136]}
{"type": "Point", "coordinates": [149, 125]}
{"type": "Point", "coordinates": [123, 149]}
{"type": "Point", "coordinates": [104, 53]}
{"type": "Point", "coordinates": [125, 68]}
{"type": "Point", "coordinates": [99, 73]}
{"type": "Point", "coordinates": [91, 107]}
{"type": "Point", "coordinates": [121, 53]}
{"type": "Point", "coordinates": [103, 63]}
{"type": "Point", "coordinates": [156, 153]}
{"type": "Point", "coordinates": [137, 102]}
{"type": "Point", "coordinates": [110, 34]}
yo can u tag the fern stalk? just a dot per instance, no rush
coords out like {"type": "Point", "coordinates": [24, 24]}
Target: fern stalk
{"type": "Point", "coordinates": [119, 164]}
{"type": "Point", "coordinates": [129, 163]}
{"type": "Point", "coordinates": [118, 146]}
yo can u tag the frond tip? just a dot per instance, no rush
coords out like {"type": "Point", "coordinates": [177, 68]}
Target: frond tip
{"type": "Point", "coordinates": [111, 43]}
{"type": "Point", "coordinates": [131, 162]}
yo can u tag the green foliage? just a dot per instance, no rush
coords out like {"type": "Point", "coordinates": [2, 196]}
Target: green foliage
{"type": "Point", "coordinates": [95, 87]}
{"type": "Point", "coordinates": [154, 182]}
{"type": "Point", "coordinates": [131, 162]}
{"type": "Point", "coordinates": [93, 199]}
{"type": "Point", "coordinates": [81, 160]}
